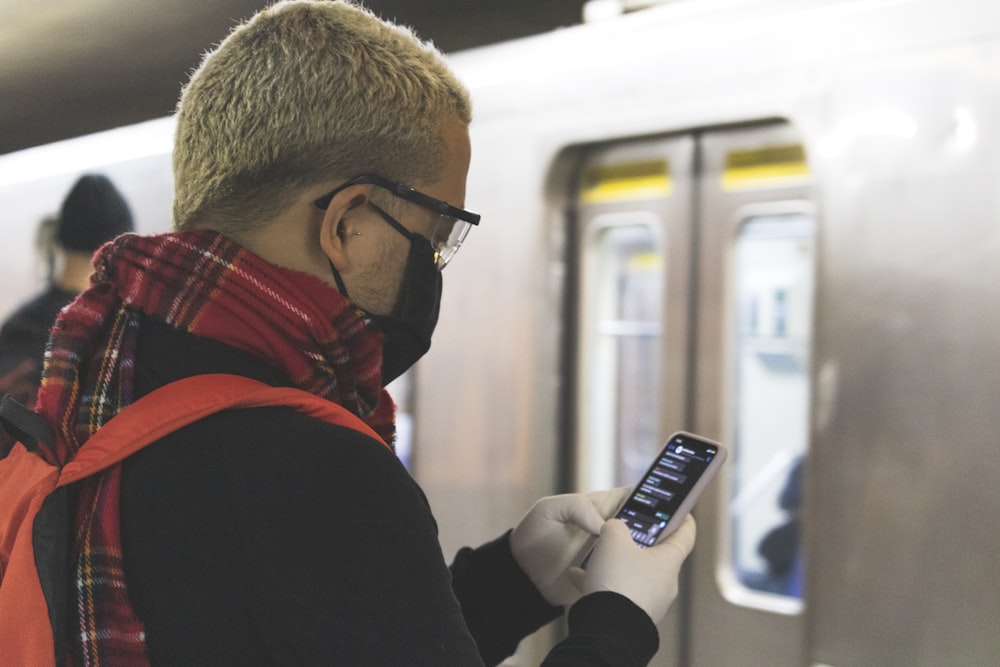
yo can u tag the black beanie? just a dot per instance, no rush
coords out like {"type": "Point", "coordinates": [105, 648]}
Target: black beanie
{"type": "Point", "coordinates": [92, 213]}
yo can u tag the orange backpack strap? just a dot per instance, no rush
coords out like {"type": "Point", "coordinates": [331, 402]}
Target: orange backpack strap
{"type": "Point", "coordinates": [185, 401]}
{"type": "Point", "coordinates": [26, 636]}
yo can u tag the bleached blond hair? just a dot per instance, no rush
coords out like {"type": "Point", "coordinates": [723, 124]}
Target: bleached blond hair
{"type": "Point", "coordinates": [303, 92]}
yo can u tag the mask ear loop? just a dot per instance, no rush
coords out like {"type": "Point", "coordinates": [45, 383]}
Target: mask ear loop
{"type": "Point", "coordinates": [412, 237]}
{"type": "Point", "coordinates": [322, 203]}
{"type": "Point", "coordinates": [336, 274]}
{"type": "Point", "coordinates": [337, 279]}
{"type": "Point", "coordinates": [396, 224]}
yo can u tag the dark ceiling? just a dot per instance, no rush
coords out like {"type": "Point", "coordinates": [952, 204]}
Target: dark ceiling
{"type": "Point", "coordinates": [72, 67]}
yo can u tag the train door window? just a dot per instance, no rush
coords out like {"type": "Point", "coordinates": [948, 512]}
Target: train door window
{"type": "Point", "coordinates": [773, 275]}
{"type": "Point", "coordinates": [621, 327]}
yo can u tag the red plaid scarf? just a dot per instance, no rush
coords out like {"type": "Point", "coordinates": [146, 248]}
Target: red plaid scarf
{"type": "Point", "coordinates": [202, 283]}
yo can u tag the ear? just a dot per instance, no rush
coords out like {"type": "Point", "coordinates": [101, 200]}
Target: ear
{"type": "Point", "coordinates": [336, 228]}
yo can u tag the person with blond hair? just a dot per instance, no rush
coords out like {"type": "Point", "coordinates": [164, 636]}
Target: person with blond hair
{"type": "Point", "coordinates": [320, 168]}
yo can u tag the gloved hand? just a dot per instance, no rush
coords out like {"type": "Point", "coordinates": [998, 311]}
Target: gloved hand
{"type": "Point", "coordinates": [550, 537]}
{"type": "Point", "coordinates": [647, 577]}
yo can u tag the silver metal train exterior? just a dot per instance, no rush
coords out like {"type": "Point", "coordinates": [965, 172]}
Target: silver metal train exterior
{"type": "Point", "coordinates": [772, 222]}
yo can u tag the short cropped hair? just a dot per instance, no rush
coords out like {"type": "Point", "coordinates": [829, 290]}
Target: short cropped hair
{"type": "Point", "coordinates": [307, 91]}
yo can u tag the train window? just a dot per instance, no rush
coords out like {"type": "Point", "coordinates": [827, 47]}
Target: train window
{"type": "Point", "coordinates": [773, 288]}
{"type": "Point", "coordinates": [621, 333]}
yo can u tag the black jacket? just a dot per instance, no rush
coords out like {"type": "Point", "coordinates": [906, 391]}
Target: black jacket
{"type": "Point", "coordinates": [25, 333]}
{"type": "Point", "coordinates": [266, 537]}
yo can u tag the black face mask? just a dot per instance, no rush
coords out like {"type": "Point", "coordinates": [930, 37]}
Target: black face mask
{"type": "Point", "coordinates": [409, 327]}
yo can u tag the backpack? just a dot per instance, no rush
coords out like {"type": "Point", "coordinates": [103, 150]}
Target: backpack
{"type": "Point", "coordinates": [34, 495]}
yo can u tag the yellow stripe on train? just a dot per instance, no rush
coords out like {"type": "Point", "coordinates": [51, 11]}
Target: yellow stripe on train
{"type": "Point", "coordinates": [765, 167]}
{"type": "Point", "coordinates": [622, 182]}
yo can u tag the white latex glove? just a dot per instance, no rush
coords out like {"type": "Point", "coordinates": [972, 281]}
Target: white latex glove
{"type": "Point", "coordinates": [647, 577]}
{"type": "Point", "coordinates": [549, 538]}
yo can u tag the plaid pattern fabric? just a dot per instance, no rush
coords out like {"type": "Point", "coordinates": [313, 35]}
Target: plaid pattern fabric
{"type": "Point", "coordinates": [202, 283]}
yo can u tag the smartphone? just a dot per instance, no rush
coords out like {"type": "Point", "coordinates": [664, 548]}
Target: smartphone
{"type": "Point", "coordinates": [669, 489]}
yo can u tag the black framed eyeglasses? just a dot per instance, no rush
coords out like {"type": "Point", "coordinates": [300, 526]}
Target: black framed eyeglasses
{"type": "Point", "coordinates": [451, 228]}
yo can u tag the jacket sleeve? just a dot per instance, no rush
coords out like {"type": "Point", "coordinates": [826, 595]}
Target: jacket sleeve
{"type": "Point", "coordinates": [501, 606]}
{"type": "Point", "coordinates": [606, 630]}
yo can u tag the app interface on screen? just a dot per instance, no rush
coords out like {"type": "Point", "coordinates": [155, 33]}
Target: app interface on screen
{"type": "Point", "coordinates": [664, 487]}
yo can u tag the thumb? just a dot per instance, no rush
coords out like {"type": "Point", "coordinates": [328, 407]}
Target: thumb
{"type": "Point", "coordinates": [681, 541]}
{"type": "Point", "coordinates": [648, 576]}
{"type": "Point", "coordinates": [609, 500]}
{"type": "Point", "coordinates": [610, 566]}
{"type": "Point", "coordinates": [580, 511]}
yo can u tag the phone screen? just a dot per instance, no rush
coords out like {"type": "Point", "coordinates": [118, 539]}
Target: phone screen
{"type": "Point", "coordinates": [665, 486]}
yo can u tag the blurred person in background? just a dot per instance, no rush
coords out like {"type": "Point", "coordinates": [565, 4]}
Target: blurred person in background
{"type": "Point", "coordinates": [93, 213]}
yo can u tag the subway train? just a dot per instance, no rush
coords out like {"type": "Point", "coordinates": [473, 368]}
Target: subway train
{"type": "Point", "coordinates": [775, 223]}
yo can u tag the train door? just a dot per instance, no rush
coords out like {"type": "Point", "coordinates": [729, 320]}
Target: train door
{"type": "Point", "coordinates": [695, 312]}
{"type": "Point", "coordinates": [752, 390]}
{"type": "Point", "coordinates": [634, 265]}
